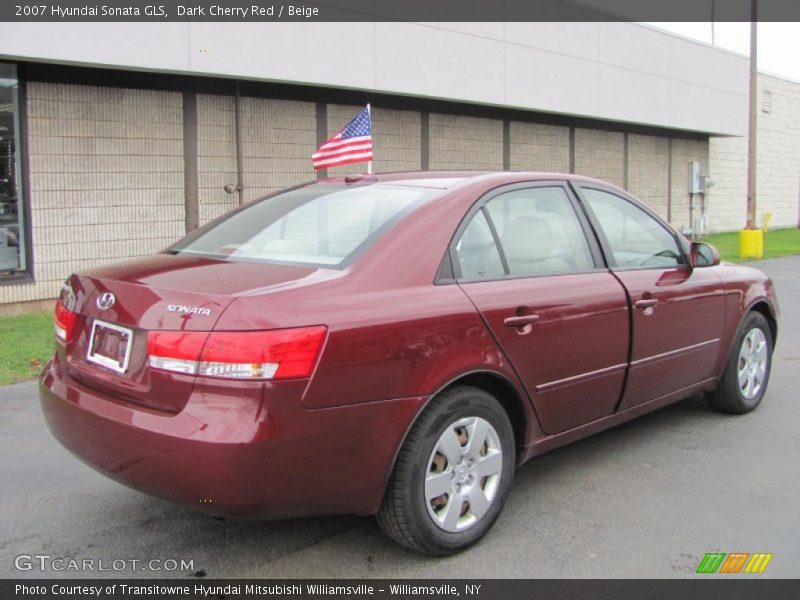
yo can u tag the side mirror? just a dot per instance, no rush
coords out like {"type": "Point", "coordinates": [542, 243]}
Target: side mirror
{"type": "Point", "coordinates": [703, 255]}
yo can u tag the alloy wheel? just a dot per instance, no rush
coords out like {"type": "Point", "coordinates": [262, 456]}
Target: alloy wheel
{"type": "Point", "coordinates": [752, 364]}
{"type": "Point", "coordinates": [463, 474]}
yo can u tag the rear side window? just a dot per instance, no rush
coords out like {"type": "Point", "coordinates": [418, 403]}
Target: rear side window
{"type": "Point", "coordinates": [636, 239]}
{"type": "Point", "coordinates": [478, 256]}
{"type": "Point", "coordinates": [321, 225]}
{"type": "Point", "coordinates": [538, 231]}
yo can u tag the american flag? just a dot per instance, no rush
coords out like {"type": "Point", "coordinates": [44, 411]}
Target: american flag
{"type": "Point", "coordinates": [351, 145]}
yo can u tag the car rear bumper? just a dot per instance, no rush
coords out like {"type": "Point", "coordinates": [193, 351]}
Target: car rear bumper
{"type": "Point", "coordinates": [236, 449]}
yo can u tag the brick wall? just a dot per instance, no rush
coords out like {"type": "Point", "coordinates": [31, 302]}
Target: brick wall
{"type": "Point", "coordinates": [458, 142]}
{"type": "Point", "coordinates": [648, 162]}
{"type": "Point", "coordinates": [277, 139]}
{"type": "Point", "coordinates": [600, 154]}
{"type": "Point", "coordinates": [778, 163]}
{"type": "Point", "coordinates": [106, 164]}
{"type": "Point", "coordinates": [106, 179]}
{"type": "Point", "coordinates": [216, 155]}
{"type": "Point", "coordinates": [727, 197]}
{"type": "Point", "coordinates": [778, 168]}
{"type": "Point", "coordinates": [536, 147]}
{"type": "Point", "coordinates": [397, 139]}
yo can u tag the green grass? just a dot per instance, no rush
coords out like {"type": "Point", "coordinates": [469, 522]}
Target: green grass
{"type": "Point", "coordinates": [26, 343]}
{"type": "Point", "coordinates": [777, 242]}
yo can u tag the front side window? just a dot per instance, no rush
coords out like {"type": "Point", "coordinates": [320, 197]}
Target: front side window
{"type": "Point", "coordinates": [636, 239]}
{"type": "Point", "coordinates": [13, 258]}
{"type": "Point", "coordinates": [322, 224]}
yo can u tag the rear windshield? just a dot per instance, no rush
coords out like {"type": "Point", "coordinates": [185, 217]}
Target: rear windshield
{"type": "Point", "coordinates": [321, 225]}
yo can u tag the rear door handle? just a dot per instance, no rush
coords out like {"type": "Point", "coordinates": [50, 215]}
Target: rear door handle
{"type": "Point", "coordinates": [521, 320]}
{"type": "Point", "coordinates": [646, 303]}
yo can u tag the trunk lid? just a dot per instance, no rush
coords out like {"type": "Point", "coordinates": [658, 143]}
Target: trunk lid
{"type": "Point", "coordinates": [163, 292]}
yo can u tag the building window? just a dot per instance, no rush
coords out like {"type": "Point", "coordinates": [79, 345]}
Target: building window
{"type": "Point", "coordinates": [13, 256]}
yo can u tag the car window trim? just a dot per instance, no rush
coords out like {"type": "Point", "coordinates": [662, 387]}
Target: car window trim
{"type": "Point", "coordinates": [595, 248]}
{"type": "Point", "coordinates": [496, 237]}
{"type": "Point", "coordinates": [584, 225]}
{"type": "Point", "coordinates": [513, 276]}
{"type": "Point", "coordinates": [601, 238]}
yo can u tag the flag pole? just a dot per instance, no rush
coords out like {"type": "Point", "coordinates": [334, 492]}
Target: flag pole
{"type": "Point", "coordinates": [369, 114]}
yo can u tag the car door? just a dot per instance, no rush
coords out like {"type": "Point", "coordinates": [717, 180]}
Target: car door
{"type": "Point", "coordinates": [677, 311]}
{"type": "Point", "coordinates": [524, 259]}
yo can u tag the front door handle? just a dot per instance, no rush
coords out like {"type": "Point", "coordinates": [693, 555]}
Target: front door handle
{"type": "Point", "coordinates": [646, 303]}
{"type": "Point", "coordinates": [520, 321]}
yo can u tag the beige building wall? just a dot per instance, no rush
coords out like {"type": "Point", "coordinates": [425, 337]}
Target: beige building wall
{"type": "Point", "coordinates": [458, 142]}
{"type": "Point", "coordinates": [778, 163]}
{"type": "Point", "coordinates": [106, 179]}
{"type": "Point", "coordinates": [537, 147]}
{"type": "Point", "coordinates": [648, 170]}
{"type": "Point", "coordinates": [216, 156]}
{"type": "Point", "coordinates": [600, 154]}
{"type": "Point", "coordinates": [277, 137]}
{"type": "Point", "coordinates": [397, 140]}
{"type": "Point", "coordinates": [726, 199]}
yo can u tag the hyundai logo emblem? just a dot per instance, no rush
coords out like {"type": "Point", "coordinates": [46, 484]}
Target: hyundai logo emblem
{"type": "Point", "coordinates": [106, 301]}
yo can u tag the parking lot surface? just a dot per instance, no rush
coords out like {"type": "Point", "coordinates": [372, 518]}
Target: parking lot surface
{"type": "Point", "coordinates": [647, 499]}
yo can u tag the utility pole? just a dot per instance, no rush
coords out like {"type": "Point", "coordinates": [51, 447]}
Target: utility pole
{"type": "Point", "coordinates": [751, 131]}
{"type": "Point", "coordinates": [713, 40]}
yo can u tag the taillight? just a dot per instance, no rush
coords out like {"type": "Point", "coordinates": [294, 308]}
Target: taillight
{"type": "Point", "coordinates": [274, 354]}
{"type": "Point", "coordinates": [64, 323]}
{"type": "Point", "coordinates": [176, 351]}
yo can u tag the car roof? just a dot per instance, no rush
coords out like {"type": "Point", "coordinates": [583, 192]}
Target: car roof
{"type": "Point", "coordinates": [444, 180]}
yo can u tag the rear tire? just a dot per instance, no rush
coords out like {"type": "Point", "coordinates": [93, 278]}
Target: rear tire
{"type": "Point", "coordinates": [744, 381]}
{"type": "Point", "coordinates": [452, 474]}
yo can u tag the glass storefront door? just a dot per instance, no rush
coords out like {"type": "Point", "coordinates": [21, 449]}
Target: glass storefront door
{"type": "Point", "coordinates": [13, 259]}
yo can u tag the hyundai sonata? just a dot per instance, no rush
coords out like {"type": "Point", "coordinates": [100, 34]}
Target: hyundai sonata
{"type": "Point", "coordinates": [396, 345]}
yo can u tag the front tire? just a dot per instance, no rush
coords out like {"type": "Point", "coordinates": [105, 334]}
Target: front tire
{"type": "Point", "coordinates": [744, 381]}
{"type": "Point", "coordinates": [452, 474]}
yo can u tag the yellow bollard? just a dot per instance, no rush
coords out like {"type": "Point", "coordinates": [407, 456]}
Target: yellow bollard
{"type": "Point", "coordinates": [767, 219]}
{"type": "Point", "coordinates": [751, 243]}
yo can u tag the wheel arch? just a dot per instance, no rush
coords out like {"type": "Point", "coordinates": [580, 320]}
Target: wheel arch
{"type": "Point", "coordinates": [507, 394]}
{"type": "Point", "coordinates": [727, 396]}
{"type": "Point", "coordinates": [763, 307]}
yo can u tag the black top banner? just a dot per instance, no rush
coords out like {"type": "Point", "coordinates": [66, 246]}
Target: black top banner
{"type": "Point", "coordinates": [402, 10]}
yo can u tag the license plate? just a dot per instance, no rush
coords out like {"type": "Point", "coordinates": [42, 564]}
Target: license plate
{"type": "Point", "coordinates": [110, 346]}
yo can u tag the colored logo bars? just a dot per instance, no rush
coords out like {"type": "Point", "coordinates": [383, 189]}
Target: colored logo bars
{"type": "Point", "coordinates": [735, 562]}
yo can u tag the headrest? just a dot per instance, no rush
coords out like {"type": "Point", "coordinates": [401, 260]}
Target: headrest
{"type": "Point", "coordinates": [527, 239]}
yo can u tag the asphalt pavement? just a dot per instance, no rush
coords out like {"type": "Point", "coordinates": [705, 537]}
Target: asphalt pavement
{"type": "Point", "coordinates": [647, 499]}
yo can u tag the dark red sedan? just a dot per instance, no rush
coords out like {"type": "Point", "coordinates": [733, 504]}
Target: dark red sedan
{"type": "Point", "coordinates": [396, 345]}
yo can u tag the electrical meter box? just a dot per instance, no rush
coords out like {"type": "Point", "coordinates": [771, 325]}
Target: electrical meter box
{"type": "Point", "coordinates": [695, 181]}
